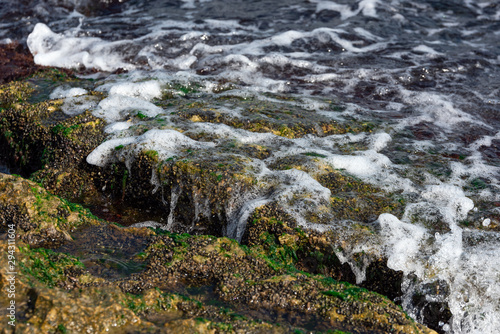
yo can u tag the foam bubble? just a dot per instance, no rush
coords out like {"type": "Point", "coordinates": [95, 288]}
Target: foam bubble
{"type": "Point", "coordinates": [101, 155]}
{"type": "Point", "coordinates": [365, 164]}
{"type": "Point", "coordinates": [118, 107]}
{"type": "Point", "coordinates": [60, 93]}
{"type": "Point", "coordinates": [450, 197]}
{"type": "Point", "coordinates": [379, 141]}
{"type": "Point", "coordinates": [147, 90]}
{"type": "Point", "coordinates": [402, 244]}
{"type": "Point", "coordinates": [78, 104]}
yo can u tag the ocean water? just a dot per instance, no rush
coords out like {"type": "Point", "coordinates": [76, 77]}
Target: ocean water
{"type": "Point", "coordinates": [426, 73]}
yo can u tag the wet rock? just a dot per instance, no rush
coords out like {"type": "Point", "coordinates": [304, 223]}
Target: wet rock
{"type": "Point", "coordinates": [42, 297]}
{"type": "Point", "coordinates": [183, 277]}
{"type": "Point", "coordinates": [323, 252]}
{"type": "Point", "coordinates": [284, 120]}
{"type": "Point", "coordinates": [15, 62]}
{"type": "Point", "coordinates": [38, 137]}
{"type": "Point", "coordinates": [263, 279]}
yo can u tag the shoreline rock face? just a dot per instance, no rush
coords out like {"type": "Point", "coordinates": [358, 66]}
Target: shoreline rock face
{"type": "Point", "coordinates": [281, 277]}
{"type": "Point", "coordinates": [207, 283]}
{"type": "Point", "coordinates": [244, 278]}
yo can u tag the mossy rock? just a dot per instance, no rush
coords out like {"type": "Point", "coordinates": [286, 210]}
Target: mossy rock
{"type": "Point", "coordinates": [316, 252]}
{"type": "Point", "coordinates": [41, 219]}
{"type": "Point", "coordinates": [272, 116]}
{"type": "Point", "coordinates": [42, 282]}
{"type": "Point", "coordinates": [260, 278]}
{"type": "Point", "coordinates": [39, 137]}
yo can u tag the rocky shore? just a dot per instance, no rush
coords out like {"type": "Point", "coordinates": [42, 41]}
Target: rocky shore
{"type": "Point", "coordinates": [108, 264]}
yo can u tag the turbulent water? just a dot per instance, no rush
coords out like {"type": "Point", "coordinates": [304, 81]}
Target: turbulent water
{"type": "Point", "coordinates": [427, 73]}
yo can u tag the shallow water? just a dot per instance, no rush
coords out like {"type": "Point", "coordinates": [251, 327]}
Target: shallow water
{"type": "Point", "coordinates": [426, 74]}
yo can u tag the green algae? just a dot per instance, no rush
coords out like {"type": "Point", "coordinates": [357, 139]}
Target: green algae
{"type": "Point", "coordinates": [43, 219]}
{"type": "Point", "coordinates": [48, 267]}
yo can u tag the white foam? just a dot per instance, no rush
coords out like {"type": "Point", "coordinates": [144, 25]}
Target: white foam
{"type": "Point", "coordinates": [52, 49]}
{"type": "Point", "coordinates": [366, 34]}
{"type": "Point", "coordinates": [470, 272]}
{"type": "Point", "coordinates": [148, 223]}
{"type": "Point", "coordinates": [366, 164]}
{"type": "Point", "coordinates": [450, 197]}
{"type": "Point", "coordinates": [175, 193]}
{"type": "Point", "coordinates": [281, 60]}
{"type": "Point", "coordinates": [485, 141]}
{"type": "Point", "coordinates": [437, 109]}
{"type": "Point", "coordinates": [147, 90]}
{"type": "Point", "coordinates": [403, 243]}
{"type": "Point", "coordinates": [367, 7]}
{"type": "Point", "coordinates": [166, 142]}
{"type": "Point", "coordinates": [182, 62]}
{"type": "Point", "coordinates": [192, 35]}
{"type": "Point", "coordinates": [119, 107]}
{"type": "Point", "coordinates": [60, 93]}
{"type": "Point", "coordinates": [475, 294]}
{"type": "Point", "coordinates": [238, 209]}
{"type": "Point", "coordinates": [472, 168]}
{"type": "Point", "coordinates": [322, 77]}
{"type": "Point", "coordinates": [102, 154]}
{"type": "Point", "coordinates": [78, 104]}
{"type": "Point", "coordinates": [117, 127]}
{"type": "Point", "coordinates": [299, 193]}
{"type": "Point", "coordinates": [379, 141]}
{"type": "Point", "coordinates": [426, 49]}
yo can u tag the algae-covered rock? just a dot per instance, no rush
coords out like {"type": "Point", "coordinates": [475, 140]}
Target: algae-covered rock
{"type": "Point", "coordinates": [42, 300]}
{"type": "Point", "coordinates": [172, 166]}
{"type": "Point", "coordinates": [264, 280]}
{"type": "Point", "coordinates": [41, 219]}
{"type": "Point", "coordinates": [39, 137]}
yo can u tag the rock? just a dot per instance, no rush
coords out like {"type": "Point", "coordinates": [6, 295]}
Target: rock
{"type": "Point", "coordinates": [15, 62]}
{"type": "Point", "coordinates": [256, 278]}
{"type": "Point", "coordinates": [40, 219]}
